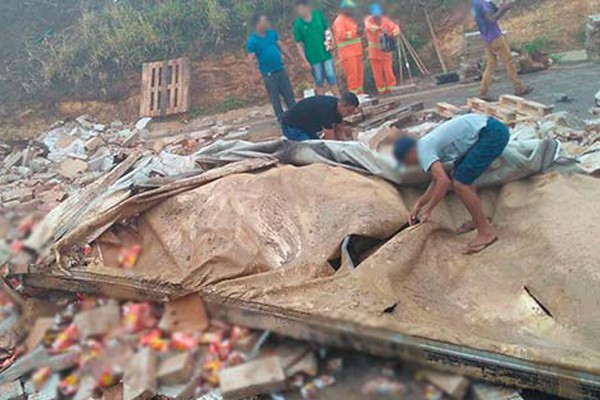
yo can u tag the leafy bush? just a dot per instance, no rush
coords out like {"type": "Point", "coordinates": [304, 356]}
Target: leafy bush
{"type": "Point", "coordinates": [112, 38]}
{"type": "Point", "coordinates": [538, 45]}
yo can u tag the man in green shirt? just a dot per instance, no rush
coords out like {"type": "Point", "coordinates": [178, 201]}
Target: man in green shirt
{"type": "Point", "coordinates": [310, 34]}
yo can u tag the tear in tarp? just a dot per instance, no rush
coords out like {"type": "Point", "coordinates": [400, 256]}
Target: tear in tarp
{"type": "Point", "coordinates": [268, 236]}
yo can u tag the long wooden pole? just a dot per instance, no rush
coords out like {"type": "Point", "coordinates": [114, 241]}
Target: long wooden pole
{"type": "Point", "coordinates": [400, 61]}
{"type": "Point", "coordinates": [418, 59]}
{"type": "Point", "coordinates": [407, 62]}
{"type": "Point", "coordinates": [435, 41]}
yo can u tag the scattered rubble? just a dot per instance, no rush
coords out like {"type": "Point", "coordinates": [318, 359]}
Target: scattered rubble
{"type": "Point", "coordinates": [128, 350]}
{"type": "Point", "coordinates": [257, 377]}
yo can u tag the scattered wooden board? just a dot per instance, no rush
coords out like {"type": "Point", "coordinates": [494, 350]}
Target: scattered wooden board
{"type": "Point", "coordinates": [524, 106]}
{"type": "Point", "coordinates": [394, 113]}
{"type": "Point", "coordinates": [447, 110]}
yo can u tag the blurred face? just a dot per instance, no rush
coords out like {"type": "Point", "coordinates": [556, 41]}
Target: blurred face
{"type": "Point", "coordinates": [346, 110]}
{"type": "Point", "coordinates": [262, 24]}
{"type": "Point", "coordinates": [348, 12]}
{"type": "Point", "coordinates": [411, 157]}
{"type": "Point", "coordinates": [304, 11]}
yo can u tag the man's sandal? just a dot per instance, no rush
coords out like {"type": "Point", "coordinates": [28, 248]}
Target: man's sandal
{"type": "Point", "coordinates": [468, 227]}
{"type": "Point", "coordinates": [478, 248]}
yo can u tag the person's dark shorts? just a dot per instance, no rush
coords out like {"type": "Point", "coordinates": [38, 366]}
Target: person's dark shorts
{"type": "Point", "coordinates": [493, 139]}
{"type": "Point", "coordinates": [297, 134]}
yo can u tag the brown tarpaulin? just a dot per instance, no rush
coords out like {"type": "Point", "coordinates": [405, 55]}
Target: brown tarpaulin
{"type": "Point", "coordinates": [268, 237]}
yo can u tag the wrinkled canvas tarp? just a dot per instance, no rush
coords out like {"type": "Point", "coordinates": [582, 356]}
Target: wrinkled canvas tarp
{"type": "Point", "coordinates": [268, 236]}
{"type": "Point", "coordinates": [521, 158]}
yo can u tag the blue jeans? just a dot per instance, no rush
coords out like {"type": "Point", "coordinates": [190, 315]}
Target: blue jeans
{"type": "Point", "coordinates": [278, 85]}
{"type": "Point", "coordinates": [297, 134]}
{"type": "Point", "coordinates": [493, 139]}
{"type": "Point", "coordinates": [324, 71]}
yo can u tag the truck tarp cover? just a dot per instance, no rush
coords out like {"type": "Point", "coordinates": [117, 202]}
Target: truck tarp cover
{"type": "Point", "coordinates": [269, 235]}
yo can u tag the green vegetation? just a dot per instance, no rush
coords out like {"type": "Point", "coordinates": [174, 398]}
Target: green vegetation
{"type": "Point", "coordinates": [538, 45]}
{"type": "Point", "coordinates": [87, 48]}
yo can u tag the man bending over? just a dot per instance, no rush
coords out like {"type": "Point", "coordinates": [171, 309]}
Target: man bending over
{"type": "Point", "coordinates": [318, 114]}
{"type": "Point", "coordinates": [472, 142]}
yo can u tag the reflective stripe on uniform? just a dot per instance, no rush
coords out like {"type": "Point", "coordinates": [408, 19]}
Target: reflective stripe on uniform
{"type": "Point", "coordinates": [374, 45]}
{"type": "Point", "coordinates": [349, 42]}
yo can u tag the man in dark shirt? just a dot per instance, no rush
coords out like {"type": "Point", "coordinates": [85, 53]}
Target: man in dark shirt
{"type": "Point", "coordinates": [309, 117]}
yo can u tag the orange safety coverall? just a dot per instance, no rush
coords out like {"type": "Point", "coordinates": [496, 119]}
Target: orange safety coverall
{"type": "Point", "coordinates": [381, 61]}
{"type": "Point", "coordinates": [350, 51]}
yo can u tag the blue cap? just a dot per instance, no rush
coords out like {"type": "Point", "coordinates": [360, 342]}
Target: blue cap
{"type": "Point", "coordinates": [348, 4]}
{"type": "Point", "coordinates": [376, 10]}
{"type": "Point", "coordinates": [403, 146]}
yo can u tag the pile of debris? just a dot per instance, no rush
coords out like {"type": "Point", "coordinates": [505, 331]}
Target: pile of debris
{"type": "Point", "coordinates": [96, 348]}
{"type": "Point", "coordinates": [592, 37]}
{"type": "Point", "coordinates": [37, 175]}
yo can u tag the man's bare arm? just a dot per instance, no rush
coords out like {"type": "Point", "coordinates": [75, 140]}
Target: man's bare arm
{"type": "Point", "coordinates": [422, 202]}
{"type": "Point", "coordinates": [500, 13]}
{"type": "Point", "coordinates": [302, 53]}
{"type": "Point", "coordinates": [441, 183]}
{"type": "Point", "coordinates": [284, 51]}
{"type": "Point", "coordinates": [254, 62]}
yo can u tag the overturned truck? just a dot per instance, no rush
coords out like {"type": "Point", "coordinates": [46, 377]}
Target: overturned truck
{"type": "Point", "coordinates": [310, 240]}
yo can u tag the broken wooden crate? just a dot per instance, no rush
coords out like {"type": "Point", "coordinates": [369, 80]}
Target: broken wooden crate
{"type": "Point", "coordinates": [165, 88]}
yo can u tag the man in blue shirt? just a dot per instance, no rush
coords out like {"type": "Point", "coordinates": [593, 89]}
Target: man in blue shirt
{"type": "Point", "coordinates": [265, 51]}
{"type": "Point", "coordinates": [472, 142]}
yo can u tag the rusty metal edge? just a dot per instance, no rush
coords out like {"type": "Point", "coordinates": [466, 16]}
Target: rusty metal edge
{"type": "Point", "coordinates": [484, 365]}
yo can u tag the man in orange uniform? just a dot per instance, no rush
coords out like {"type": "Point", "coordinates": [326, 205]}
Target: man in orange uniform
{"type": "Point", "coordinates": [347, 34]}
{"type": "Point", "coordinates": [377, 25]}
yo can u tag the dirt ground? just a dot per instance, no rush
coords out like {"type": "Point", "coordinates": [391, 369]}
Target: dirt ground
{"type": "Point", "coordinates": [578, 82]}
{"type": "Point", "coordinates": [227, 81]}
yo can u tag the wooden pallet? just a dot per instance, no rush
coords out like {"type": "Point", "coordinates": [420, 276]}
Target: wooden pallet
{"type": "Point", "coordinates": [524, 106]}
{"type": "Point", "coordinates": [165, 88]}
{"type": "Point", "coordinates": [447, 110]}
{"type": "Point", "coordinates": [510, 109]}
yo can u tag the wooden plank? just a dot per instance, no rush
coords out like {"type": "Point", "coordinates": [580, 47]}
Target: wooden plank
{"type": "Point", "coordinates": [478, 105]}
{"type": "Point", "coordinates": [506, 115]}
{"type": "Point", "coordinates": [534, 108]}
{"type": "Point", "coordinates": [492, 367]}
{"type": "Point", "coordinates": [392, 114]}
{"type": "Point", "coordinates": [447, 110]}
{"type": "Point", "coordinates": [509, 100]}
{"type": "Point", "coordinates": [524, 106]}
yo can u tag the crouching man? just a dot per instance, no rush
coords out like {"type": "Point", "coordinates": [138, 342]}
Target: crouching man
{"type": "Point", "coordinates": [315, 115]}
{"type": "Point", "coordinates": [473, 142]}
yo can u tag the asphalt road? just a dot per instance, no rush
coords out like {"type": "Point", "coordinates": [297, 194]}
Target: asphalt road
{"type": "Point", "coordinates": [579, 82]}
